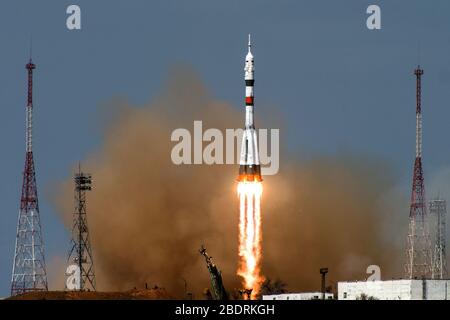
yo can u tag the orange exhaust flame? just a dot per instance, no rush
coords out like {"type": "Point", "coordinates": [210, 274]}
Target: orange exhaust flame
{"type": "Point", "coordinates": [250, 237]}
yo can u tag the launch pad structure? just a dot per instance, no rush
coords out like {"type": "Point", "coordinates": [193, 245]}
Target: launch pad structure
{"type": "Point", "coordinates": [218, 289]}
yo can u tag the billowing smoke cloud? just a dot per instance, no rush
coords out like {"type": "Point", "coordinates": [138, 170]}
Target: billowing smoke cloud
{"type": "Point", "coordinates": [148, 217]}
{"type": "Point", "coordinates": [338, 212]}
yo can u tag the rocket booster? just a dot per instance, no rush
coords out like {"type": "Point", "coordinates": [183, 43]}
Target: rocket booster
{"type": "Point", "coordinates": [249, 166]}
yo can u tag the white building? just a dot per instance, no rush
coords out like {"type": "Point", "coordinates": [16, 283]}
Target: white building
{"type": "Point", "coordinates": [395, 290]}
{"type": "Point", "coordinates": [298, 296]}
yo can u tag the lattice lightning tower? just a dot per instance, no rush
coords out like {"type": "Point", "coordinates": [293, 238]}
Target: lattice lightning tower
{"type": "Point", "coordinates": [438, 212]}
{"type": "Point", "coordinates": [419, 256]}
{"type": "Point", "coordinates": [81, 251]}
{"type": "Point", "coordinates": [28, 273]}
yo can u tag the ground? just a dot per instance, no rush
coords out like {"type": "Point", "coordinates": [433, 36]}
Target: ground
{"type": "Point", "coordinates": [135, 294]}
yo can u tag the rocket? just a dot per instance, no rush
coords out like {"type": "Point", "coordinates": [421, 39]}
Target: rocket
{"type": "Point", "coordinates": [249, 167]}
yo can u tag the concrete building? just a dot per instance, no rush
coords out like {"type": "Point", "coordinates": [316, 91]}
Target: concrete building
{"type": "Point", "coordinates": [395, 290]}
{"type": "Point", "coordinates": [298, 296]}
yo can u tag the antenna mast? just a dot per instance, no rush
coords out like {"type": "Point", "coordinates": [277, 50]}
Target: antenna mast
{"type": "Point", "coordinates": [419, 257]}
{"type": "Point", "coordinates": [81, 251]}
{"type": "Point", "coordinates": [28, 273]}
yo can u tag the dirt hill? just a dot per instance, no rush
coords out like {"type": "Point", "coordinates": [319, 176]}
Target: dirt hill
{"type": "Point", "coordinates": [135, 294]}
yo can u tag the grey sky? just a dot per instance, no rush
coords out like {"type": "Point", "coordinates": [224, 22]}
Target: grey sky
{"type": "Point", "coordinates": [338, 85]}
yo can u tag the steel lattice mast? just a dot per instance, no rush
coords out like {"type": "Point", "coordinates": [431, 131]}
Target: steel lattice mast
{"type": "Point", "coordinates": [419, 257]}
{"type": "Point", "coordinates": [438, 211]}
{"type": "Point", "coordinates": [29, 272]}
{"type": "Point", "coordinates": [81, 252]}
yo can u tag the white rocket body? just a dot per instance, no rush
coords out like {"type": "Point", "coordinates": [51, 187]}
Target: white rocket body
{"type": "Point", "coordinates": [249, 166]}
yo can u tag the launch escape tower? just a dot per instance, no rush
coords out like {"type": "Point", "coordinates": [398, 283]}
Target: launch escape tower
{"type": "Point", "coordinates": [418, 252]}
{"type": "Point", "coordinates": [438, 212]}
{"type": "Point", "coordinates": [28, 273]}
{"type": "Point", "coordinates": [218, 289]}
{"type": "Point", "coordinates": [80, 253]}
